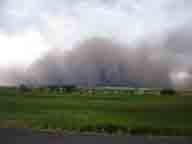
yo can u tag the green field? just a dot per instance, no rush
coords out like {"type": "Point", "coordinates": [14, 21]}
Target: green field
{"type": "Point", "coordinates": [113, 113]}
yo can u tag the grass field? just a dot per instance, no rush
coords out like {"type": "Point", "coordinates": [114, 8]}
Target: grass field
{"type": "Point", "coordinates": [113, 113]}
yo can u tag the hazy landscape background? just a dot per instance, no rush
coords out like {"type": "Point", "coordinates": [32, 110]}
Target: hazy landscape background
{"type": "Point", "coordinates": [80, 41]}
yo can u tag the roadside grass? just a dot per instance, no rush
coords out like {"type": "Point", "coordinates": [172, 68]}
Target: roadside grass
{"type": "Point", "coordinates": [101, 113]}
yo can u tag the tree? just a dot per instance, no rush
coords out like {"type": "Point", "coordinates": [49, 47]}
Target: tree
{"type": "Point", "coordinates": [69, 88]}
{"type": "Point", "coordinates": [24, 88]}
{"type": "Point", "coordinates": [168, 92]}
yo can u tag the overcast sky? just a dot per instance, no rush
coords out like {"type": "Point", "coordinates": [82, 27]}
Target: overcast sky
{"type": "Point", "coordinates": [29, 28]}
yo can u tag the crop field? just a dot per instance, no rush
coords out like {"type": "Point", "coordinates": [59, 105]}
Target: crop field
{"type": "Point", "coordinates": [99, 112]}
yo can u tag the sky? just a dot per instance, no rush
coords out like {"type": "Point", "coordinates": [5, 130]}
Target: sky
{"type": "Point", "coordinates": [31, 28]}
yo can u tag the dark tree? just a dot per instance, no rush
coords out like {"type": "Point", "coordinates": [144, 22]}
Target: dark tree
{"type": "Point", "coordinates": [69, 88]}
{"type": "Point", "coordinates": [24, 88]}
{"type": "Point", "coordinates": [167, 92]}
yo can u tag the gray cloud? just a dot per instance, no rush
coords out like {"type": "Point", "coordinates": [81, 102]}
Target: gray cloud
{"type": "Point", "coordinates": [143, 40]}
{"type": "Point", "coordinates": [100, 60]}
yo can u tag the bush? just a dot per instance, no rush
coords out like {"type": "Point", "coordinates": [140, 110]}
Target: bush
{"type": "Point", "coordinates": [69, 88]}
{"type": "Point", "coordinates": [108, 128]}
{"type": "Point", "coordinates": [87, 128]}
{"type": "Point", "coordinates": [24, 88]}
{"type": "Point", "coordinates": [52, 88]}
{"type": "Point", "coordinates": [167, 92]}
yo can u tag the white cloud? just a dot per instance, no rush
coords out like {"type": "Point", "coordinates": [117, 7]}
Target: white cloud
{"type": "Point", "coordinates": [181, 79]}
{"type": "Point", "coordinates": [123, 20]}
{"type": "Point", "coordinates": [61, 23]}
{"type": "Point", "coordinates": [62, 32]}
{"type": "Point", "coordinates": [21, 48]}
